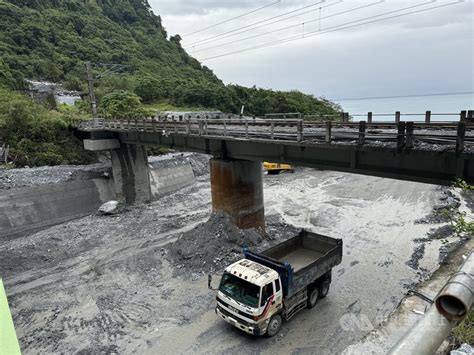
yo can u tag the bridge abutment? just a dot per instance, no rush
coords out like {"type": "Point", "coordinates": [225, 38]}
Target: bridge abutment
{"type": "Point", "coordinates": [129, 168]}
{"type": "Point", "coordinates": [237, 190]}
{"type": "Point", "coordinates": [131, 173]}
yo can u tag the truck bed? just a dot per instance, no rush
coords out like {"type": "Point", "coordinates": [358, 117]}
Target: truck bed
{"type": "Point", "coordinates": [303, 250]}
{"type": "Point", "coordinates": [301, 260]}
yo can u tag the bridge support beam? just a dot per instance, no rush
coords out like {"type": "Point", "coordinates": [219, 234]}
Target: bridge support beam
{"type": "Point", "coordinates": [237, 190]}
{"type": "Point", "coordinates": [130, 173]}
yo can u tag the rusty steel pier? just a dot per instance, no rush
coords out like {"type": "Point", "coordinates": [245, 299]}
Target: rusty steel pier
{"type": "Point", "coordinates": [237, 190]}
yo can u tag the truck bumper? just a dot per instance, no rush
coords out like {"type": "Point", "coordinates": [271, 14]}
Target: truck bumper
{"type": "Point", "coordinates": [249, 328]}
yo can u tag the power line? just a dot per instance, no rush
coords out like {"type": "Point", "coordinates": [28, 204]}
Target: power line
{"type": "Point", "coordinates": [233, 18]}
{"type": "Point", "coordinates": [331, 29]}
{"type": "Point", "coordinates": [291, 26]}
{"type": "Point", "coordinates": [222, 36]}
{"type": "Point", "coordinates": [271, 23]}
{"type": "Point", "coordinates": [256, 23]}
{"type": "Point", "coordinates": [327, 30]}
{"type": "Point", "coordinates": [405, 96]}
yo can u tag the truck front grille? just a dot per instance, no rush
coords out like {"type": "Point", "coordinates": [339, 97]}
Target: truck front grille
{"type": "Point", "coordinates": [243, 314]}
{"type": "Point", "coordinates": [228, 314]}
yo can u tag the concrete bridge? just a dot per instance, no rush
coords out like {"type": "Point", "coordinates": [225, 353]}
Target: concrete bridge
{"type": "Point", "coordinates": [436, 153]}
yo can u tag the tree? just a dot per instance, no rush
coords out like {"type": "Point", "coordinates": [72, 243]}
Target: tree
{"type": "Point", "coordinates": [150, 89]}
{"type": "Point", "coordinates": [6, 78]}
{"type": "Point", "coordinates": [176, 39]}
{"type": "Point", "coordinates": [121, 105]}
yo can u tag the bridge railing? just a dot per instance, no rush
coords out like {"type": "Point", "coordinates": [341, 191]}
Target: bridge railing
{"type": "Point", "coordinates": [237, 128]}
{"type": "Point", "coordinates": [402, 134]}
{"type": "Point", "coordinates": [371, 117]}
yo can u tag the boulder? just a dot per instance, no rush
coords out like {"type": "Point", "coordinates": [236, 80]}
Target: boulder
{"type": "Point", "coordinates": [110, 208]}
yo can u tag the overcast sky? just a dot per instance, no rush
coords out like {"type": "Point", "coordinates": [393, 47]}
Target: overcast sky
{"type": "Point", "coordinates": [422, 53]}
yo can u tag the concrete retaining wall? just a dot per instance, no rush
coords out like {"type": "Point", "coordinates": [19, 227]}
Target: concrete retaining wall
{"type": "Point", "coordinates": [169, 179]}
{"type": "Point", "coordinates": [27, 209]}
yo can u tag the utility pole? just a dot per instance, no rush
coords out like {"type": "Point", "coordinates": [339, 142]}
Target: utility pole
{"type": "Point", "coordinates": [90, 83]}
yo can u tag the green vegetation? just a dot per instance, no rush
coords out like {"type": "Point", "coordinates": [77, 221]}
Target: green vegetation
{"type": "Point", "coordinates": [460, 224]}
{"type": "Point", "coordinates": [38, 136]}
{"type": "Point", "coordinates": [52, 39]}
{"type": "Point", "coordinates": [121, 105]}
{"type": "Point", "coordinates": [464, 331]}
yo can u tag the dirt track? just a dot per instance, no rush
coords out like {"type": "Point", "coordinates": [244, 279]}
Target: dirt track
{"type": "Point", "coordinates": [106, 284]}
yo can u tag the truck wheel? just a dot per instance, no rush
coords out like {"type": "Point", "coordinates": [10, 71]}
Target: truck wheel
{"type": "Point", "coordinates": [324, 288]}
{"type": "Point", "coordinates": [312, 298]}
{"type": "Point", "coordinates": [274, 325]}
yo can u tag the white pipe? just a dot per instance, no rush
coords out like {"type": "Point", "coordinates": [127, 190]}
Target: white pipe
{"type": "Point", "coordinates": [454, 302]}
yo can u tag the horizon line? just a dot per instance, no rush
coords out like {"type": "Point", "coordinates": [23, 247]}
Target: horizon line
{"type": "Point", "coordinates": [402, 96]}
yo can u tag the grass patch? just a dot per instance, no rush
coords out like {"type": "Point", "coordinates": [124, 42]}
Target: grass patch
{"type": "Point", "coordinates": [464, 331]}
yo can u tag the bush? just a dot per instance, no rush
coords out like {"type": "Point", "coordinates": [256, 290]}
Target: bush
{"type": "Point", "coordinates": [121, 105]}
{"type": "Point", "coordinates": [37, 136]}
{"type": "Point", "coordinates": [150, 89]}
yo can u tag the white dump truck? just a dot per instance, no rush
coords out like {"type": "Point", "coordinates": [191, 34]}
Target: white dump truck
{"type": "Point", "coordinates": [258, 292]}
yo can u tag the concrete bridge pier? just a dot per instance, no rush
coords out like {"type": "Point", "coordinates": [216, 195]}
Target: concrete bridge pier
{"type": "Point", "coordinates": [131, 173]}
{"type": "Point", "coordinates": [129, 168]}
{"type": "Point", "coordinates": [237, 190]}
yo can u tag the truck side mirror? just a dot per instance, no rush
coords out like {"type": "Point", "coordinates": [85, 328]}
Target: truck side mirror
{"type": "Point", "coordinates": [209, 281]}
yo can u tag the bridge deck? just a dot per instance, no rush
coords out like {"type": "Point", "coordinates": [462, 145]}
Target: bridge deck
{"type": "Point", "coordinates": [435, 153]}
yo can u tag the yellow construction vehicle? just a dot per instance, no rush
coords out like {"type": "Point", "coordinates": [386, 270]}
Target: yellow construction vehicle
{"type": "Point", "coordinates": [275, 168]}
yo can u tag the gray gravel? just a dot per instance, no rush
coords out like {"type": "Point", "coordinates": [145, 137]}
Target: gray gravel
{"type": "Point", "coordinates": [217, 243]}
{"type": "Point", "coordinates": [26, 177]}
{"type": "Point", "coordinates": [112, 284]}
{"type": "Point", "coordinates": [447, 203]}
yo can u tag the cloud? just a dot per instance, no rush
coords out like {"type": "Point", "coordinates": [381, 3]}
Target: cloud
{"type": "Point", "coordinates": [204, 7]}
{"type": "Point", "coordinates": [425, 52]}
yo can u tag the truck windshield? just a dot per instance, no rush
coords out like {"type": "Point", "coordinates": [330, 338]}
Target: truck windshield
{"type": "Point", "coordinates": [240, 290]}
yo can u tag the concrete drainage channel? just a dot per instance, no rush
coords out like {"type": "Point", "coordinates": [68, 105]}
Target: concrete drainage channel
{"type": "Point", "coordinates": [136, 281]}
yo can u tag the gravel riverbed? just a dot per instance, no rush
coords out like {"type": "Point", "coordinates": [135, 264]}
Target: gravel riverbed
{"type": "Point", "coordinates": [113, 284]}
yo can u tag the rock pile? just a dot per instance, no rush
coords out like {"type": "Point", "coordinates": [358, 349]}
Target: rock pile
{"type": "Point", "coordinates": [212, 245]}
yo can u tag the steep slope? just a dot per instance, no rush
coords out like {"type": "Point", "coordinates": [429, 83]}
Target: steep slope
{"type": "Point", "coordinates": [51, 40]}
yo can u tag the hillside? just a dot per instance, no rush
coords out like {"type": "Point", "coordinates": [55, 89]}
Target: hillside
{"type": "Point", "coordinates": [47, 39]}
{"type": "Point", "coordinates": [51, 40]}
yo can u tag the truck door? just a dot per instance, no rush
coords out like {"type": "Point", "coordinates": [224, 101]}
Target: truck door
{"type": "Point", "coordinates": [271, 300]}
{"type": "Point", "coordinates": [278, 292]}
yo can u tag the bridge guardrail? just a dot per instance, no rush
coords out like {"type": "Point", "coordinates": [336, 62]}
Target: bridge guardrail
{"type": "Point", "coordinates": [426, 117]}
{"type": "Point", "coordinates": [403, 133]}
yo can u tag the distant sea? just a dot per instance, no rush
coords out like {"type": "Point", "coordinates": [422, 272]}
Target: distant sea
{"type": "Point", "coordinates": [452, 103]}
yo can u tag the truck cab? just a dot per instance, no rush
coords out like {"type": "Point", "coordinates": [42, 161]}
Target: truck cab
{"type": "Point", "coordinates": [249, 295]}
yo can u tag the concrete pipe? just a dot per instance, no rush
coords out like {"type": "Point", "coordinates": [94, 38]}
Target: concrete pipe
{"type": "Point", "coordinates": [456, 298]}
